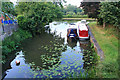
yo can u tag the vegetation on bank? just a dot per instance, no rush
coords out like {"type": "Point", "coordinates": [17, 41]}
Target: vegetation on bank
{"type": "Point", "coordinates": [108, 13]}
{"type": "Point", "coordinates": [71, 11]}
{"type": "Point", "coordinates": [35, 15]}
{"type": "Point", "coordinates": [107, 39]}
{"type": "Point", "coordinates": [32, 17]}
{"type": "Point", "coordinates": [11, 43]}
{"type": "Point", "coordinates": [105, 12]}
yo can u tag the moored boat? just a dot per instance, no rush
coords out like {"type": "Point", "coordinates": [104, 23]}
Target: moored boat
{"type": "Point", "coordinates": [78, 31]}
{"type": "Point", "coordinates": [72, 32]}
{"type": "Point", "coordinates": [83, 31]}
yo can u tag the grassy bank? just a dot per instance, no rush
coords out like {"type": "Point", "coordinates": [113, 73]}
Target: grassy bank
{"type": "Point", "coordinates": [107, 39]}
{"type": "Point", "coordinates": [77, 18]}
{"type": "Point", "coordinates": [11, 43]}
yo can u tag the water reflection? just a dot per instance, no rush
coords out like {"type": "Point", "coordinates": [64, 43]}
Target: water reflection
{"type": "Point", "coordinates": [72, 43]}
{"type": "Point", "coordinates": [50, 55]}
{"type": "Point", "coordinates": [88, 54]}
{"type": "Point", "coordinates": [20, 71]}
{"type": "Point", "coordinates": [41, 45]}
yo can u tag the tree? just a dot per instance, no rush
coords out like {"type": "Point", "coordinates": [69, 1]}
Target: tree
{"type": "Point", "coordinates": [36, 15]}
{"type": "Point", "coordinates": [8, 7]}
{"type": "Point", "coordinates": [109, 13]}
{"type": "Point", "coordinates": [90, 8]}
{"type": "Point", "coordinates": [71, 9]}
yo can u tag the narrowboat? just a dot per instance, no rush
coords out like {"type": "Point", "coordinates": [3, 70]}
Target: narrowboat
{"type": "Point", "coordinates": [83, 31]}
{"type": "Point", "coordinates": [72, 32]}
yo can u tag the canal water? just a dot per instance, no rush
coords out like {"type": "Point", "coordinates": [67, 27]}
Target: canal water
{"type": "Point", "coordinates": [51, 55]}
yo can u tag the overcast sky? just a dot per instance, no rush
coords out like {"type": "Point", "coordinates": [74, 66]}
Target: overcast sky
{"type": "Point", "coordinates": [72, 2]}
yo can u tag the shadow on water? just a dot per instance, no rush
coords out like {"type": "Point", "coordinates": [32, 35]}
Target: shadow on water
{"type": "Point", "coordinates": [51, 55]}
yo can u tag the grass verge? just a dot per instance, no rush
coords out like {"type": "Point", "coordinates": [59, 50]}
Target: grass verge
{"type": "Point", "coordinates": [75, 16]}
{"type": "Point", "coordinates": [78, 18]}
{"type": "Point", "coordinates": [107, 39]}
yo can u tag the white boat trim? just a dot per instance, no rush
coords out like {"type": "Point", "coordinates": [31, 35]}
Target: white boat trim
{"type": "Point", "coordinates": [84, 37]}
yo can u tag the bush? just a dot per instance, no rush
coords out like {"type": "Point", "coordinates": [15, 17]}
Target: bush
{"type": "Point", "coordinates": [109, 13]}
{"type": "Point", "coordinates": [37, 15]}
{"type": "Point", "coordinates": [11, 43]}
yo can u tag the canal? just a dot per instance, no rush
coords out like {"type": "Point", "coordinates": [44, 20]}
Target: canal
{"type": "Point", "coordinates": [51, 55]}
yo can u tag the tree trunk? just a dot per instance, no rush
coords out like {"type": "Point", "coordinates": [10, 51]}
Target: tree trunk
{"type": "Point", "coordinates": [97, 21]}
{"type": "Point", "coordinates": [103, 24]}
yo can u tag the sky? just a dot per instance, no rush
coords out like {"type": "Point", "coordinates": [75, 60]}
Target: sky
{"type": "Point", "coordinates": [72, 2]}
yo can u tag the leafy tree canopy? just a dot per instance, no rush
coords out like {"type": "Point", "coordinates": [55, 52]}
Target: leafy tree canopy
{"type": "Point", "coordinates": [71, 9]}
{"type": "Point", "coordinates": [90, 8]}
{"type": "Point", "coordinates": [36, 15]}
{"type": "Point", "coordinates": [109, 13]}
{"type": "Point", "coordinates": [8, 7]}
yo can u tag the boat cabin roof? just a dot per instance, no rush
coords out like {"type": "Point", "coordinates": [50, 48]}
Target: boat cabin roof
{"type": "Point", "coordinates": [83, 27]}
{"type": "Point", "coordinates": [72, 27]}
{"type": "Point", "coordinates": [83, 21]}
{"type": "Point", "coordinates": [72, 23]}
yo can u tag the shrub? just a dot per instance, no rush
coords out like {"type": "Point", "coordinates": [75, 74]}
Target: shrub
{"type": "Point", "coordinates": [11, 43]}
